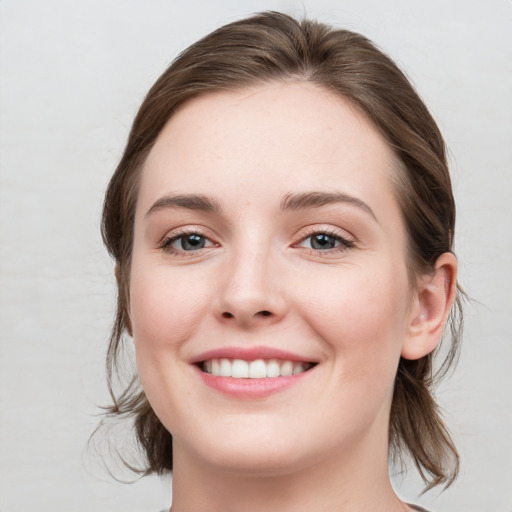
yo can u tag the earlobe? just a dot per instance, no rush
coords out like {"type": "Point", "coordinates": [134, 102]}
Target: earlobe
{"type": "Point", "coordinates": [433, 300]}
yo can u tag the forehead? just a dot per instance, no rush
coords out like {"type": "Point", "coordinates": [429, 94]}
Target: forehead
{"type": "Point", "coordinates": [268, 141]}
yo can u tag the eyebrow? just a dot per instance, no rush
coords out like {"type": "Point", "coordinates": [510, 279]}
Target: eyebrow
{"type": "Point", "coordinates": [316, 199]}
{"type": "Point", "coordinates": [300, 201]}
{"type": "Point", "coordinates": [190, 201]}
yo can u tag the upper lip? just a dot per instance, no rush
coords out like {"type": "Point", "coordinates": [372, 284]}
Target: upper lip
{"type": "Point", "coordinates": [250, 354]}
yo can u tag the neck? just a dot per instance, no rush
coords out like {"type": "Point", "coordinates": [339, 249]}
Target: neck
{"type": "Point", "coordinates": [354, 481]}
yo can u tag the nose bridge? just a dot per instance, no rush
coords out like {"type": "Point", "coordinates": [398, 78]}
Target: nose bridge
{"type": "Point", "coordinates": [250, 289]}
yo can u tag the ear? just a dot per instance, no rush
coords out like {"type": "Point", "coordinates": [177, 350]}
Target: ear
{"type": "Point", "coordinates": [126, 309]}
{"type": "Point", "coordinates": [432, 301]}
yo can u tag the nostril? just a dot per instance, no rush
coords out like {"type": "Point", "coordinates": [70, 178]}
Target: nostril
{"type": "Point", "coordinates": [227, 314]}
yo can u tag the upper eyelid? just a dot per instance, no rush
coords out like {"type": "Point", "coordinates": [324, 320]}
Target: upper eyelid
{"type": "Point", "coordinates": [185, 230]}
{"type": "Point", "coordinates": [302, 233]}
{"type": "Point", "coordinates": [308, 231]}
{"type": "Point", "coordinates": [166, 245]}
{"type": "Point", "coordinates": [177, 236]}
{"type": "Point", "coordinates": [344, 241]}
{"type": "Point", "coordinates": [345, 238]}
{"type": "Point", "coordinates": [177, 233]}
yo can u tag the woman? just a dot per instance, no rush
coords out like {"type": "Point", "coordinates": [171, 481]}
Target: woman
{"type": "Point", "coordinates": [282, 224]}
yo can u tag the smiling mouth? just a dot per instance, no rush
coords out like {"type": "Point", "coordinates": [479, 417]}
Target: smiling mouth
{"type": "Point", "coordinates": [257, 369]}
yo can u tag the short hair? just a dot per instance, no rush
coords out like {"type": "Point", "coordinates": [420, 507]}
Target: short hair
{"type": "Point", "coordinates": [272, 47]}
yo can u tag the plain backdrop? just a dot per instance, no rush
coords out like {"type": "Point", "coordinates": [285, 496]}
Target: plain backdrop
{"type": "Point", "coordinates": [72, 75]}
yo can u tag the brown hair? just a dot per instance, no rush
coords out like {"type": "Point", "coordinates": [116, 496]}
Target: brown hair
{"type": "Point", "coordinates": [273, 47]}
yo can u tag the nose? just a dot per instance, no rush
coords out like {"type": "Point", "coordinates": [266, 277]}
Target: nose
{"type": "Point", "coordinates": [250, 292]}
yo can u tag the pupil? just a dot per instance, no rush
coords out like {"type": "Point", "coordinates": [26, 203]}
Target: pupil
{"type": "Point", "coordinates": [191, 242]}
{"type": "Point", "coordinates": [323, 241]}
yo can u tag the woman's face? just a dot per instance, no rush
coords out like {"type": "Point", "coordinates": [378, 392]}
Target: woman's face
{"type": "Point", "coordinates": [269, 294]}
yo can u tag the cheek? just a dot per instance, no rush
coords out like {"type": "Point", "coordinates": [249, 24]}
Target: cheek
{"type": "Point", "coordinates": [360, 319]}
{"type": "Point", "coordinates": [360, 316]}
{"type": "Point", "coordinates": [165, 307]}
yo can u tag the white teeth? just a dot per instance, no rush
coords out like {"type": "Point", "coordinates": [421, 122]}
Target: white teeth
{"type": "Point", "coordinates": [273, 368]}
{"type": "Point", "coordinates": [225, 368]}
{"type": "Point", "coordinates": [298, 368]}
{"type": "Point", "coordinates": [239, 369]}
{"type": "Point", "coordinates": [287, 369]}
{"type": "Point", "coordinates": [258, 369]}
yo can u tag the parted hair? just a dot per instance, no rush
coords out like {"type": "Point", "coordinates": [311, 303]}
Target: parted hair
{"type": "Point", "coordinates": [273, 47]}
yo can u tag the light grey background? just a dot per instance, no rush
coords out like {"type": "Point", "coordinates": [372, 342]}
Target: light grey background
{"type": "Point", "coordinates": [71, 77]}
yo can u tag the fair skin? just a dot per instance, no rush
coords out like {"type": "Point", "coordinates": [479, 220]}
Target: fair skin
{"type": "Point", "coordinates": [267, 229]}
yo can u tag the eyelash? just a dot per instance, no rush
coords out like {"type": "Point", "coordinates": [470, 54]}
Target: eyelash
{"type": "Point", "coordinates": [167, 247]}
{"type": "Point", "coordinates": [345, 244]}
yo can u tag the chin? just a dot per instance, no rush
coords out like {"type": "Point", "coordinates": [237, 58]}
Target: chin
{"type": "Point", "coordinates": [261, 450]}
{"type": "Point", "coordinates": [265, 450]}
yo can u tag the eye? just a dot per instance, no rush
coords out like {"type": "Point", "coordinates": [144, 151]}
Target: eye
{"type": "Point", "coordinates": [186, 242]}
{"type": "Point", "coordinates": [325, 241]}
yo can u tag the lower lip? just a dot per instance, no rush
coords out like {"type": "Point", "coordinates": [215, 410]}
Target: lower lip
{"type": "Point", "coordinates": [250, 388]}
